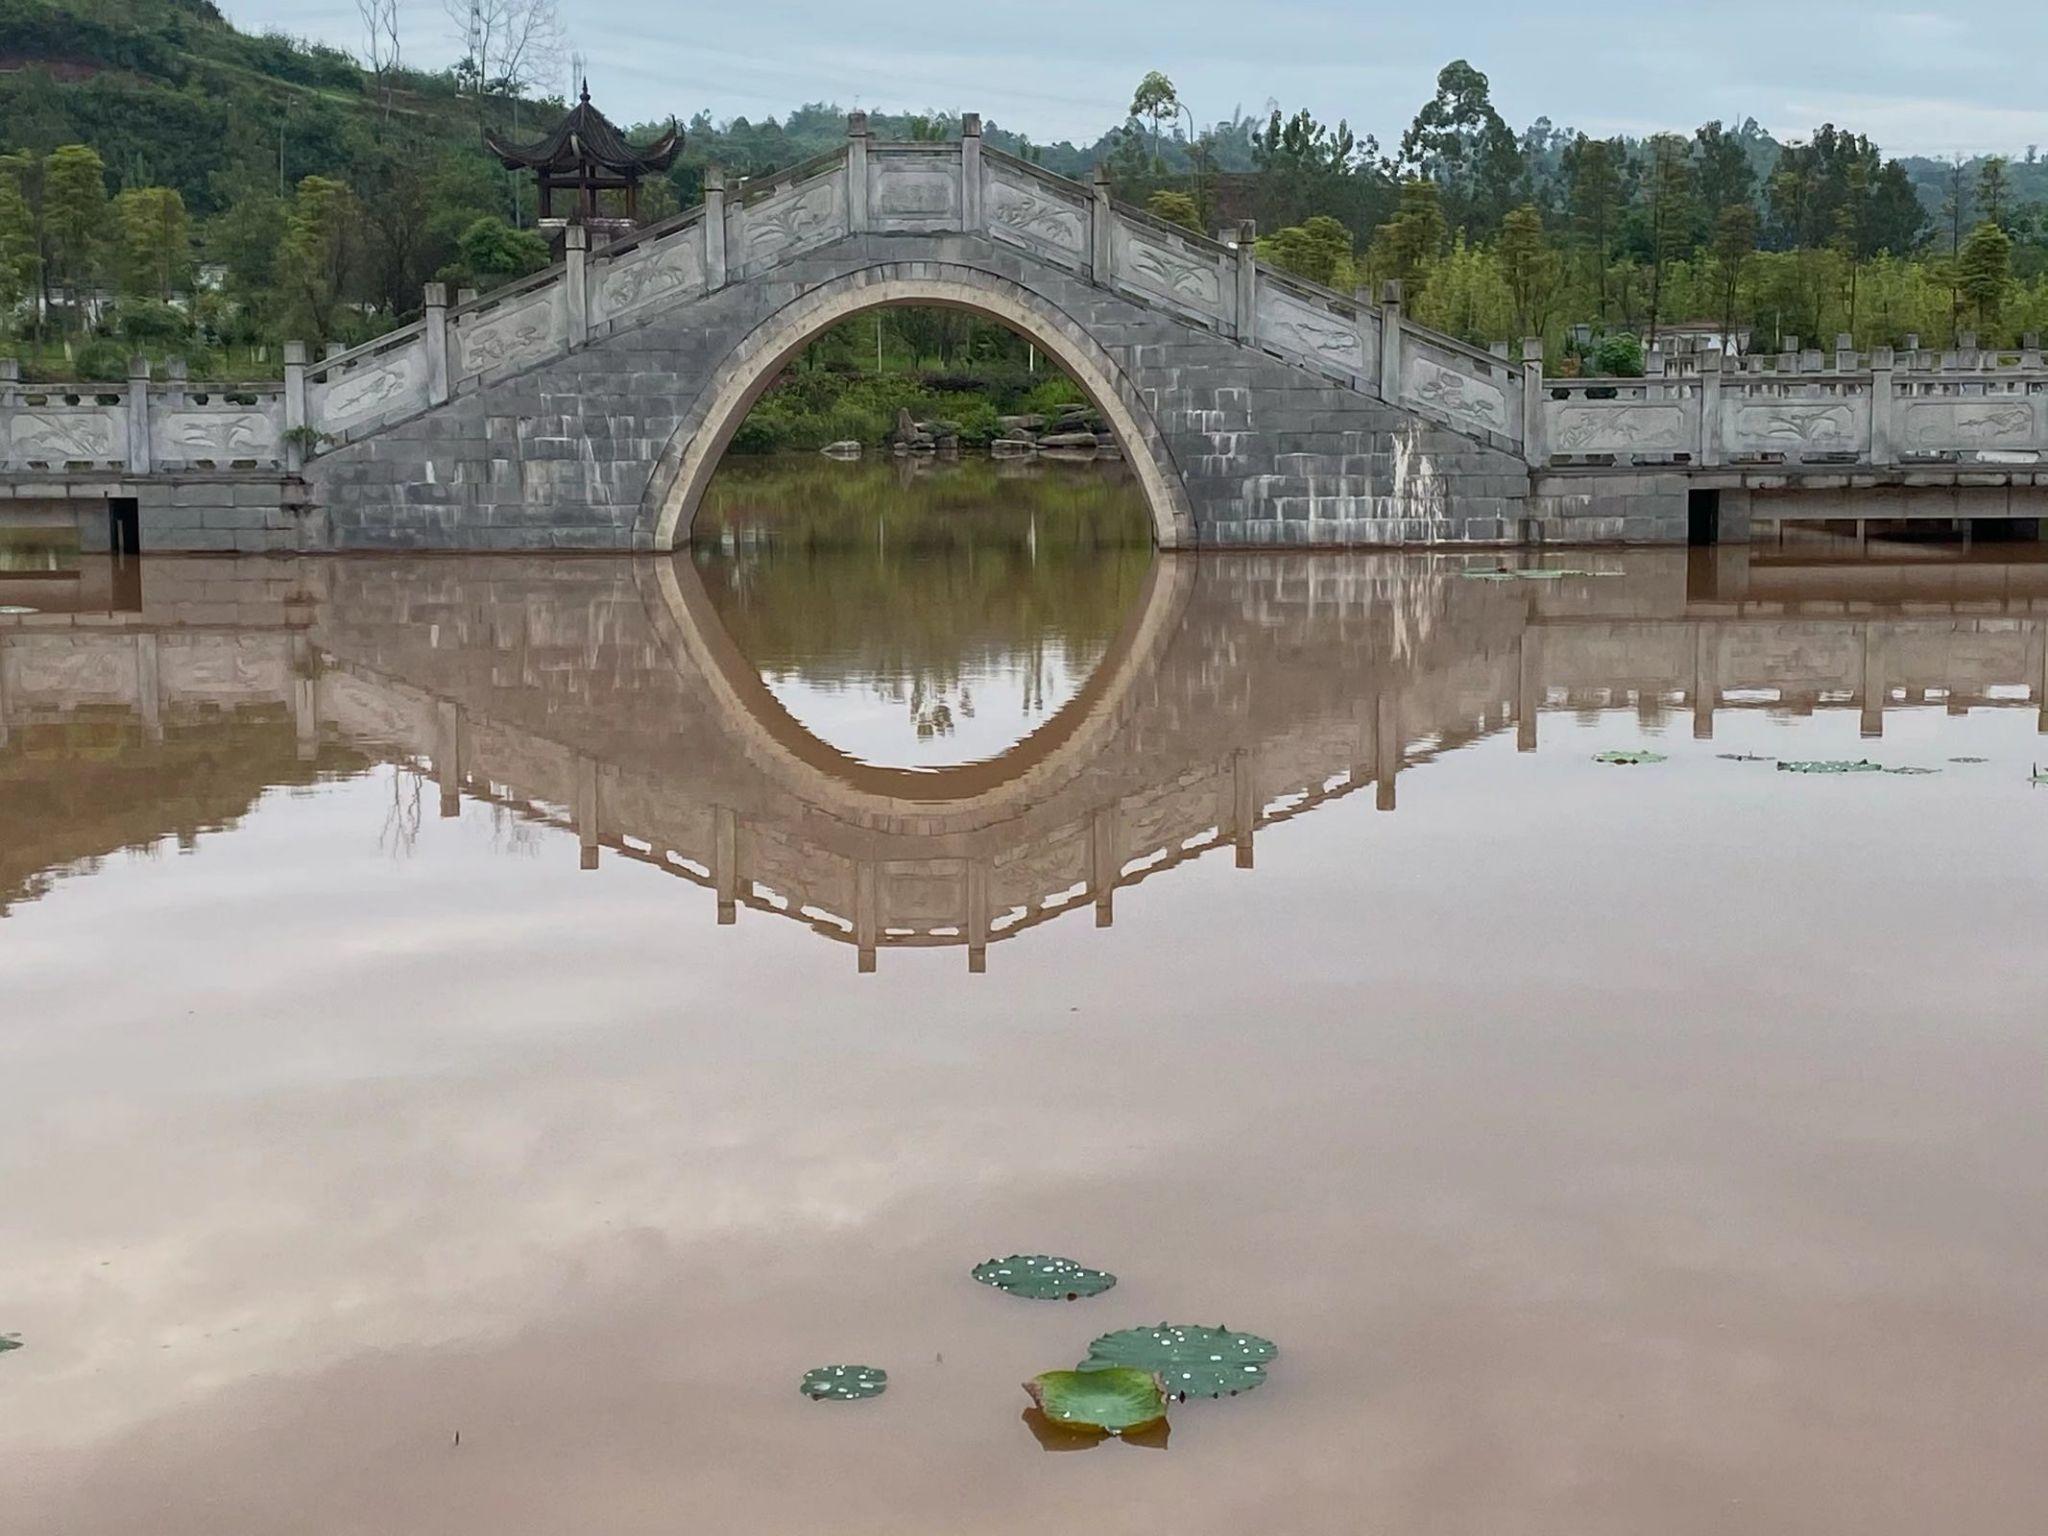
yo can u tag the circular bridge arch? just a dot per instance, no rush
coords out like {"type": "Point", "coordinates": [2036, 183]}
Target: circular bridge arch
{"type": "Point", "coordinates": [676, 488]}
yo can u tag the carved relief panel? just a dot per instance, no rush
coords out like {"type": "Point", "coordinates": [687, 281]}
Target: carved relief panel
{"type": "Point", "coordinates": [1324, 339]}
{"type": "Point", "coordinates": [522, 332]}
{"type": "Point", "coordinates": [913, 192]}
{"type": "Point", "coordinates": [672, 270]}
{"type": "Point", "coordinates": [1620, 427]}
{"type": "Point", "coordinates": [1023, 213]}
{"type": "Point", "coordinates": [794, 219]}
{"type": "Point", "coordinates": [1187, 278]}
{"type": "Point", "coordinates": [58, 435]}
{"type": "Point", "coordinates": [1465, 400]}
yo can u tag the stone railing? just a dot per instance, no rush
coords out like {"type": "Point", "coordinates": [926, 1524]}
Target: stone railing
{"type": "Point", "coordinates": [1964, 406]}
{"type": "Point", "coordinates": [739, 233]}
{"type": "Point", "coordinates": [140, 426]}
{"type": "Point", "coordinates": [1804, 410]}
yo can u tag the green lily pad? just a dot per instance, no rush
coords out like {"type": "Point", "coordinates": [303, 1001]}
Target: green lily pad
{"type": "Point", "coordinates": [1114, 1399]}
{"type": "Point", "coordinates": [9, 1341]}
{"type": "Point", "coordinates": [1969, 759]}
{"type": "Point", "coordinates": [1744, 757]}
{"type": "Point", "coordinates": [845, 1383]}
{"type": "Point", "coordinates": [1039, 1277]}
{"type": "Point", "coordinates": [1192, 1361]}
{"type": "Point", "coordinates": [1912, 773]}
{"type": "Point", "coordinates": [1864, 765]}
{"type": "Point", "coordinates": [1542, 573]}
{"type": "Point", "coordinates": [1631, 759]}
{"type": "Point", "coordinates": [2039, 777]}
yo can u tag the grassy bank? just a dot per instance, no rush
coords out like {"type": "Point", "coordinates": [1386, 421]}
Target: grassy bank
{"type": "Point", "coordinates": [808, 408]}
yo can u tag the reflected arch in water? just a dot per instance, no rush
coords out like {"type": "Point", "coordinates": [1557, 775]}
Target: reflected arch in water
{"type": "Point", "coordinates": [676, 489]}
{"type": "Point", "coordinates": [928, 801]}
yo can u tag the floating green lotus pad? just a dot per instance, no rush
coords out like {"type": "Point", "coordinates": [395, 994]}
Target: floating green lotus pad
{"type": "Point", "coordinates": [1038, 1277]}
{"type": "Point", "coordinates": [1744, 757]}
{"type": "Point", "coordinates": [1191, 1361]}
{"type": "Point", "coordinates": [1630, 759]}
{"type": "Point", "coordinates": [845, 1383]}
{"type": "Point", "coordinates": [1114, 1399]}
{"type": "Point", "coordinates": [9, 1341]}
{"type": "Point", "coordinates": [1864, 765]}
{"type": "Point", "coordinates": [1969, 759]}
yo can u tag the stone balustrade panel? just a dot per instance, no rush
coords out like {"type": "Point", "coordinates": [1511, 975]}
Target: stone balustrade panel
{"type": "Point", "coordinates": [1632, 421]}
{"type": "Point", "coordinates": [1045, 215]}
{"type": "Point", "coordinates": [1297, 324]}
{"type": "Point", "coordinates": [1178, 273]}
{"type": "Point", "coordinates": [64, 427]}
{"type": "Point", "coordinates": [788, 221]}
{"type": "Point", "coordinates": [352, 395]}
{"type": "Point", "coordinates": [216, 429]}
{"type": "Point", "coordinates": [1461, 386]}
{"type": "Point", "coordinates": [508, 331]}
{"type": "Point", "coordinates": [667, 269]}
{"type": "Point", "coordinates": [915, 191]}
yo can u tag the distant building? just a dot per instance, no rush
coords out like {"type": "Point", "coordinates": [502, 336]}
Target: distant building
{"type": "Point", "coordinates": [1684, 338]}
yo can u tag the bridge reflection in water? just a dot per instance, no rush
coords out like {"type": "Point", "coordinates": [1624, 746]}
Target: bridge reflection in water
{"type": "Point", "coordinates": [618, 700]}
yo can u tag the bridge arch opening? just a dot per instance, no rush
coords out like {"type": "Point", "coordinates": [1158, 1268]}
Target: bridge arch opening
{"type": "Point", "coordinates": [676, 489]}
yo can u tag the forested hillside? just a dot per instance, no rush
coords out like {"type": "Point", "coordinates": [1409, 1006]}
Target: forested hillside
{"type": "Point", "coordinates": [171, 184]}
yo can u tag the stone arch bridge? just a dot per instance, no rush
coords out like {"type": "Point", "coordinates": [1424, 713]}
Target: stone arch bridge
{"type": "Point", "coordinates": [587, 406]}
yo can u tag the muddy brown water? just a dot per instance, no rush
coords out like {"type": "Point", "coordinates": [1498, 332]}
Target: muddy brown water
{"type": "Point", "coordinates": [1609, 1149]}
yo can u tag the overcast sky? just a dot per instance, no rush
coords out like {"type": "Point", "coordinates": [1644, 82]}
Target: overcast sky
{"type": "Point", "coordinates": [1965, 78]}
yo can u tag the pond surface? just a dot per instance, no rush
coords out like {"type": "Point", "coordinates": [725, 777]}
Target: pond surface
{"type": "Point", "coordinates": [558, 1004]}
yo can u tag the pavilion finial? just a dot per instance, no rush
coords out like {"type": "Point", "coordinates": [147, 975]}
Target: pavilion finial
{"type": "Point", "coordinates": [586, 90]}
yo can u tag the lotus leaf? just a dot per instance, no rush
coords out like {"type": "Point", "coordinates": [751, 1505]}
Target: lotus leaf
{"type": "Point", "coordinates": [1039, 1277]}
{"type": "Point", "coordinates": [9, 1341]}
{"type": "Point", "coordinates": [1114, 1399]}
{"type": "Point", "coordinates": [1631, 759]}
{"type": "Point", "coordinates": [845, 1383]}
{"type": "Point", "coordinates": [1969, 759]}
{"type": "Point", "coordinates": [1744, 757]}
{"type": "Point", "coordinates": [1192, 1361]}
{"type": "Point", "coordinates": [1865, 765]}
{"type": "Point", "coordinates": [1912, 773]}
{"type": "Point", "coordinates": [2039, 777]}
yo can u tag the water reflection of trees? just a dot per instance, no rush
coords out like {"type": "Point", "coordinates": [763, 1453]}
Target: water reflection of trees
{"type": "Point", "coordinates": [917, 580]}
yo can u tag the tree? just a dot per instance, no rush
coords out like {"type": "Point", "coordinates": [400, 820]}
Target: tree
{"type": "Point", "coordinates": [1725, 177]}
{"type": "Point", "coordinates": [1319, 250]}
{"type": "Point", "coordinates": [1175, 208]}
{"type": "Point", "coordinates": [1984, 270]}
{"type": "Point", "coordinates": [317, 257]}
{"type": "Point", "coordinates": [492, 251]}
{"type": "Point", "coordinates": [1994, 190]}
{"type": "Point", "coordinates": [74, 215]}
{"type": "Point", "coordinates": [1529, 267]}
{"type": "Point", "coordinates": [1735, 235]}
{"type": "Point", "coordinates": [1306, 168]}
{"type": "Point", "coordinates": [20, 250]}
{"type": "Point", "coordinates": [1409, 244]}
{"type": "Point", "coordinates": [1460, 142]}
{"type": "Point", "coordinates": [1671, 213]}
{"type": "Point", "coordinates": [381, 48]}
{"type": "Point", "coordinates": [508, 45]}
{"type": "Point", "coordinates": [1592, 169]}
{"type": "Point", "coordinates": [154, 252]}
{"type": "Point", "coordinates": [1155, 100]}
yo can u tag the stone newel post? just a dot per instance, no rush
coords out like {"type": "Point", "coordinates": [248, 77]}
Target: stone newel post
{"type": "Point", "coordinates": [714, 228]}
{"type": "Point", "coordinates": [1882, 398]}
{"type": "Point", "coordinates": [138, 415]}
{"type": "Point", "coordinates": [436, 328]}
{"type": "Point", "coordinates": [1390, 341]}
{"type": "Point", "coordinates": [857, 139]}
{"type": "Point", "coordinates": [1102, 242]}
{"type": "Point", "coordinates": [576, 282]}
{"type": "Point", "coordinates": [1248, 282]}
{"type": "Point", "coordinates": [294, 404]}
{"type": "Point", "coordinates": [970, 171]}
{"type": "Point", "coordinates": [1712, 365]}
{"type": "Point", "coordinates": [1534, 449]}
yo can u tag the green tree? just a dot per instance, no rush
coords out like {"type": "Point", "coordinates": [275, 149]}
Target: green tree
{"type": "Point", "coordinates": [1671, 195]}
{"type": "Point", "coordinates": [1410, 243]}
{"type": "Point", "coordinates": [1529, 267]}
{"type": "Point", "coordinates": [1593, 178]}
{"type": "Point", "coordinates": [1735, 235]}
{"type": "Point", "coordinates": [20, 257]}
{"type": "Point", "coordinates": [1319, 250]}
{"type": "Point", "coordinates": [317, 257]}
{"type": "Point", "coordinates": [155, 242]}
{"type": "Point", "coordinates": [1155, 100]}
{"type": "Point", "coordinates": [1725, 177]}
{"type": "Point", "coordinates": [1994, 190]}
{"type": "Point", "coordinates": [1175, 208]}
{"type": "Point", "coordinates": [1462, 144]}
{"type": "Point", "coordinates": [493, 252]}
{"type": "Point", "coordinates": [1984, 271]}
{"type": "Point", "coordinates": [74, 216]}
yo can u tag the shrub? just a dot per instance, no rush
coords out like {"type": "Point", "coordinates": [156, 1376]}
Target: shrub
{"type": "Point", "coordinates": [1618, 357]}
{"type": "Point", "coordinates": [102, 358]}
